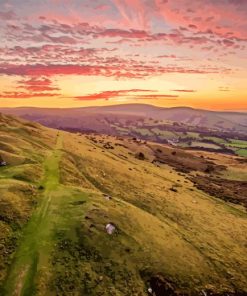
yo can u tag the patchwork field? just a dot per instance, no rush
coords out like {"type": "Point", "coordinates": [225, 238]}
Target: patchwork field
{"type": "Point", "coordinates": [172, 234]}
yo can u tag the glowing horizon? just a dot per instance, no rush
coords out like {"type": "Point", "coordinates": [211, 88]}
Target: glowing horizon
{"type": "Point", "coordinates": [77, 53]}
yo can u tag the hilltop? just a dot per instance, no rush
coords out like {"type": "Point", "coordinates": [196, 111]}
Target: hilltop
{"type": "Point", "coordinates": [179, 216]}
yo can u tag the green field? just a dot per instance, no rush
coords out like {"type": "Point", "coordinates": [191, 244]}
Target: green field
{"type": "Point", "coordinates": [204, 145]}
{"type": "Point", "coordinates": [242, 152]}
{"type": "Point", "coordinates": [216, 140]}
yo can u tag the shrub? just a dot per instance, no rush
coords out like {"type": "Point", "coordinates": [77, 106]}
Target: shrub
{"type": "Point", "coordinates": [41, 187]}
{"type": "Point", "coordinates": [140, 156]}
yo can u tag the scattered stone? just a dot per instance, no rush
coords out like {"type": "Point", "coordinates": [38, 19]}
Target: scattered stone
{"type": "Point", "coordinates": [150, 291]}
{"type": "Point", "coordinates": [110, 228]}
{"type": "Point", "coordinates": [107, 197]}
{"type": "Point", "coordinates": [2, 162]}
{"type": "Point", "coordinates": [173, 189]}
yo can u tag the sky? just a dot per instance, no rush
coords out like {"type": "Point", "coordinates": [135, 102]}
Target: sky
{"type": "Point", "coordinates": [76, 53]}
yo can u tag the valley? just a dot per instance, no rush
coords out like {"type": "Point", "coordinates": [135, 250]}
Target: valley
{"type": "Point", "coordinates": [188, 128]}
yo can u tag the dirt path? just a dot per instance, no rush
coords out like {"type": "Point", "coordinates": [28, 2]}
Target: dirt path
{"type": "Point", "coordinates": [32, 254]}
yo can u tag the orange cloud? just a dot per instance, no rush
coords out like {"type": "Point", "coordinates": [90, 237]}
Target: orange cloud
{"type": "Point", "coordinates": [106, 95]}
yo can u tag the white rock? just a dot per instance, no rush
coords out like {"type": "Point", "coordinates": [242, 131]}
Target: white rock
{"type": "Point", "coordinates": [110, 228]}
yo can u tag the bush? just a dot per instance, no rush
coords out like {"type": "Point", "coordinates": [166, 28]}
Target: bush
{"type": "Point", "coordinates": [140, 156]}
{"type": "Point", "coordinates": [209, 169]}
{"type": "Point", "coordinates": [41, 187]}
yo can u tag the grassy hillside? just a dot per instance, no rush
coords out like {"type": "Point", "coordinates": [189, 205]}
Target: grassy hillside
{"type": "Point", "coordinates": [60, 190]}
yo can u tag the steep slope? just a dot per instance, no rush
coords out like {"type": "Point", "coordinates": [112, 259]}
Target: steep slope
{"type": "Point", "coordinates": [23, 146]}
{"type": "Point", "coordinates": [60, 190]}
{"type": "Point", "coordinates": [86, 118]}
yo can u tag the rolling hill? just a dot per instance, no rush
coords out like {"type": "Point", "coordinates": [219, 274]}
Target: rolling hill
{"type": "Point", "coordinates": [173, 234]}
{"type": "Point", "coordinates": [92, 117]}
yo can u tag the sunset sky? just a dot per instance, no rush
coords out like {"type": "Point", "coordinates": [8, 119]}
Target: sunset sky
{"type": "Point", "coordinates": [75, 53]}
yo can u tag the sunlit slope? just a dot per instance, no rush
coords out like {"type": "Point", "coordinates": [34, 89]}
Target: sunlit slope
{"type": "Point", "coordinates": [190, 237]}
{"type": "Point", "coordinates": [55, 213]}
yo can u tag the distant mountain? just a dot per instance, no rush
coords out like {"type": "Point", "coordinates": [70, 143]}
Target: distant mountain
{"type": "Point", "coordinates": [91, 117]}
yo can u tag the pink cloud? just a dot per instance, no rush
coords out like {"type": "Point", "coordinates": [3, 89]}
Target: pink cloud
{"type": "Point", "coordinates": [110, 68]}
{"type": "Point", "coordinates": [220, 16]}
{"type": "Point", "coordinates": [7, 15]}
{"type": "Point", "coordinates": [39, 84]}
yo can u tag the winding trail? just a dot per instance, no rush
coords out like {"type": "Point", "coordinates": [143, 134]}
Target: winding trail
{"type": "Point", "coordinates": [32, 254]}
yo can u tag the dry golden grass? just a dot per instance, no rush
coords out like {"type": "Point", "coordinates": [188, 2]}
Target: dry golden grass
{"type": "Point", "coordinates": [188, 235]}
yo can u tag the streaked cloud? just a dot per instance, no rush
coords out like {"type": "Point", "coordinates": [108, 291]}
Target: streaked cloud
{"type": "Point", "coordinates": [131, 93]}
{"type": "Point", "coordinates": [172, 44]}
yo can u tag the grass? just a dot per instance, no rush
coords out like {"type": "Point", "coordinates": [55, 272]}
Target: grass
{"type": "Point", "coordinates": [22, 272]}
{"type": "Point", "coordinates": [239, 146]}
{"type": "Point", "coordinates": [164, 134]}
{"type": "Point", "coordinates": [31, 261]}
{"type": "Point", "coordinates": [190, 135]}
{"type": "Point", "coordinates": [36, 242]}
{"type": "Point", "coordinates": [143, 131]}
{"type": "Point", "coordinates": [204, 145]}
{"type": "Point", "coordinates": [239, 142]}
{"type": "Point", "coordinates": [242, 152]}
{"type": "Point", "coordinates": [150, 219]}
{"type": "Point", "coordinates": [216, 140]}
{"type": "Point", "coordinates": [193, 239]}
